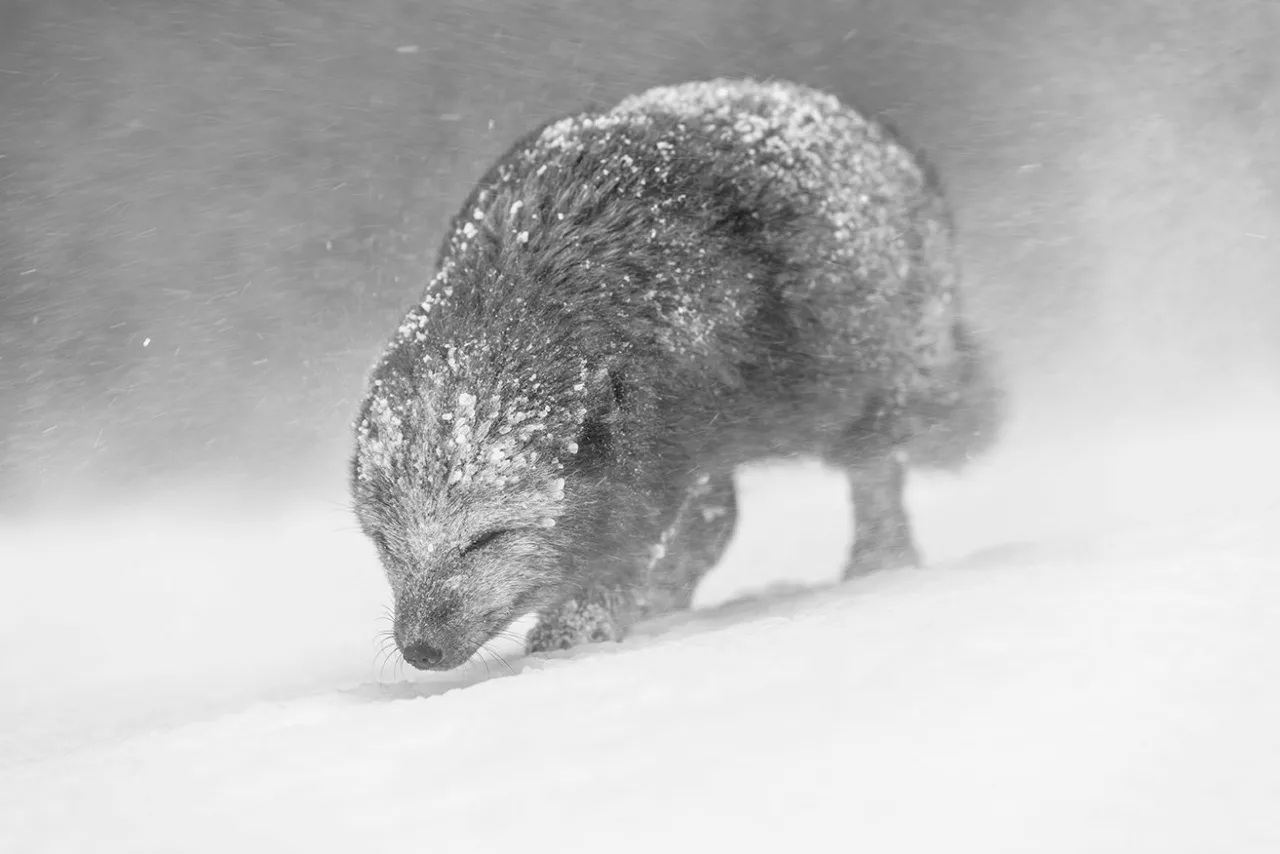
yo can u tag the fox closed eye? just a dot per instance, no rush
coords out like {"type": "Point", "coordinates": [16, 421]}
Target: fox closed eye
{"type": "Point", "coordinates": [485, 539]}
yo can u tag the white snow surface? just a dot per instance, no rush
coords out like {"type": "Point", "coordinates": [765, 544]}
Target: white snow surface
{"type": "Point", "coordinates": [1090, 661]}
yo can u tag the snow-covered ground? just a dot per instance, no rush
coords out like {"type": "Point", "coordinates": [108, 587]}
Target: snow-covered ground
{"type": "Point", "coordinates": [1090, 662]}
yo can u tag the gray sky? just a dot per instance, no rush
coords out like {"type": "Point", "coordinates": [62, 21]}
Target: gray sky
{"type": "Point", "coordinates": [212, 216]}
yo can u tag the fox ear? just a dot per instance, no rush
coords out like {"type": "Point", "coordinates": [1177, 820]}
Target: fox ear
{"type": "Point", "coordinates": [596, 437]}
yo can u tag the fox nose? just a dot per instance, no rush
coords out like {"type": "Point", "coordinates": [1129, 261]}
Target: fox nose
{"type": "Point", "coordinates": [423, 655]}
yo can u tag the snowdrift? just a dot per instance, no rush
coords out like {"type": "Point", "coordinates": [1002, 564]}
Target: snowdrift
{"type": "Point", "coordinates": [1090, 662]}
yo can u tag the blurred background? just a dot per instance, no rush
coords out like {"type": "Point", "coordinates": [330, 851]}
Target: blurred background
{"type": "Point", "coordinates": [213, 212]}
